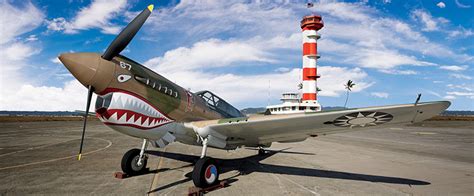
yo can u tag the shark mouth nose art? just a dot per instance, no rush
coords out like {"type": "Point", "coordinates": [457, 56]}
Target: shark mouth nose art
{"type": "Point", "coordinates": [127, 109]}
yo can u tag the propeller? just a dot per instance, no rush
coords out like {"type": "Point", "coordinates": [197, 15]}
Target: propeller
{"type": "Point", "coordinates": [88, 104]}
{"type": "Point", "coordinates": [119, 43]}
{"type": "Point", "coordinates": [127, 34]}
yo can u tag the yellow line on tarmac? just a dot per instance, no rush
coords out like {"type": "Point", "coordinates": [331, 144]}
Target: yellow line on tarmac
{"type": "Point", "coordinates": [38, 147]}
{"type": "Point", "coordinates": [154, 183]}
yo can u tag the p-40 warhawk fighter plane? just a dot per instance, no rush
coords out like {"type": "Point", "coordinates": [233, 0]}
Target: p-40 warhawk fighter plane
{"type": "Point", "coordinates": [138, 102]}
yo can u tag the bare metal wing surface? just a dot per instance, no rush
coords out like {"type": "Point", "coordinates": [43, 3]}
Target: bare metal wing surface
{"type": "Point", "coordinates": [263, 129]}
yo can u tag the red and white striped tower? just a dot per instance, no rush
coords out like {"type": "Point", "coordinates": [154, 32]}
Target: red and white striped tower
{"type": "Point", "coordinates": [310, 26]}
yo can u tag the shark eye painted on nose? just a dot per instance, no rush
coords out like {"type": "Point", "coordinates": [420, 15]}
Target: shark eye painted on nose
{"type": "Point", "coordinates": [123, 78]}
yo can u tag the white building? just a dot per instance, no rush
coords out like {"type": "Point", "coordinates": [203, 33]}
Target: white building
{"type": "Point", "coordinates": [291, 104]}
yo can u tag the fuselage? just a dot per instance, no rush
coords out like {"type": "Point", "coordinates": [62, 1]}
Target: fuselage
{"type": "Point", "coordinates": [136, 101]}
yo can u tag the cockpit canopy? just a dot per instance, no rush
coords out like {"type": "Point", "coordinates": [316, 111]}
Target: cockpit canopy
{"type": "Point", "coordinates": [219, 105]}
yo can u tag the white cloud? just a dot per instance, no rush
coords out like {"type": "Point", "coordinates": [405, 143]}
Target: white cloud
{"type": "Point", "coordinates": [57, 24]}
{"type": "Point", "coordinates": [379, 94]}
{"type": "Point", "coordinates": [439, 24]}
{"type": "Point", "coordinates": [17, 51]}
{"type": "Point", "coordinates": [382, 59]}
{"type": "Point", "coordinates": [461, 76]}
{"type": "Point", "coordinates": [399, 72]}
{"type": "Point", "coordinates": [457, 93]}
{"type": "Point", "coordinates": [210, 54]}
{"type": "Point", "coordinates": [430, 23]}
{"type": "Point", "coordinates": [212, 18]}
{"type": "Point", "coordinates": [433, 93]}
{"type": "Point", "coordinates": [31, 38]}
{"type": "Point", "coordinates": [454, 67]}
{"type": "Point", "coordinates": [449, 97]}
{"type": "Point", "coordinates": [18, 92]}
{"type": "Point", "coordinates": [97, 15]}
{"type": "Point", "coordinates": [16, 21]}
{"type": "Point", "coordinates": [385, 60]}
{"type": "Point", "coordinates": [282, 69]}
{"type": "Point", "coordinates": [461, 86]}
{"type": "Point", "coordinates": [461, 32]}
{"type": "Point", "coordinates": [72, 96]}
{"type": "Point", "coordinates": [461, 5]}
{"type": "Point", "coordinates": [13, 57]}
{"type": "Point", "coordinates": [95, 40]}
{"type": "Point", "coordinates": [55, 60]}
{"type": "Point", "coordinates": [441, 4]}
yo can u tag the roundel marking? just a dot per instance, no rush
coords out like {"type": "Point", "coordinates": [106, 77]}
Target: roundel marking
{"type": "Point", "coordinates": [362, 119]}
{"type": "Point", "coordinates": [123, 78]}
{"type": "Point", "coordinates": [210, 174]}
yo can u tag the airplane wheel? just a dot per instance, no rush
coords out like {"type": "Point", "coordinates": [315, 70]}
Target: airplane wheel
{"type": "Point", "coordinates": [130, 162]}
{"type": "Point", "coordinates": [205, 173]}
{"type": "Point", "coordinates": [261, 152]}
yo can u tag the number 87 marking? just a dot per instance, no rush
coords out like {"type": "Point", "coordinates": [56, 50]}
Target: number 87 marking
{"type": "Point", "coordinates": [125, 65]}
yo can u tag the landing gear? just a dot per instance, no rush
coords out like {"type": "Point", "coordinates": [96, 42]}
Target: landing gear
{"type": "Point", "coordinates": [261, 151]}
{"type": "Point", "coordinates": [205, 172]}
{"type": "Point", "coordinates": [134, 161]}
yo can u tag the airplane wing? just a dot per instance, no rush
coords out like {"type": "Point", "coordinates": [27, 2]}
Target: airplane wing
{"type": "Point", "coordinates": [264, 129]}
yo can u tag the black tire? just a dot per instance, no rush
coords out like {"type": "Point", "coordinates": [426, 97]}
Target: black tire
{"type": "Point", "coordinates": [129, 162]}
{"type": "Point", "coordinates": [202, 166]}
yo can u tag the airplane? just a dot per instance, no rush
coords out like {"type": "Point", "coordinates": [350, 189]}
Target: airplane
{"type": "Point", "coordinates": [138, 102]}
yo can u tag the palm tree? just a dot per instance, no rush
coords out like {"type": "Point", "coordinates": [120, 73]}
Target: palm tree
{"type": "Point", "coordinates": [300, 86]}
{"type": "Point", "coordinates": [348, 86]}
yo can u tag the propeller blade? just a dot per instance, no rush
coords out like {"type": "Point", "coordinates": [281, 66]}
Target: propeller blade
{"type": "Point", "coordinates": [127, 34]}
{"type": "Point", "coordinates": [89, 97]}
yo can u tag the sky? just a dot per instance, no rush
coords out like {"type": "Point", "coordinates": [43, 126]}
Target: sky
{"type": "Point", "coordinates": [247, 52]}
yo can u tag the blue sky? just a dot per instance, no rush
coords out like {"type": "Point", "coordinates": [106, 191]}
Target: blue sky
{"type": "Point", "coordinates": [246, 52]}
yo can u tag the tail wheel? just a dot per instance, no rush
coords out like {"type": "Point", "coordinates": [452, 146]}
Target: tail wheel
{"type": "Point", "coordinates": [205, 173]}
{"type": "Point", "coordinates": [130, 162]}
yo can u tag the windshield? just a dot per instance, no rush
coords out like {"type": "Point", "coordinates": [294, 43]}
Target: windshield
{"type": "Point", "coordinates": [219, 105]}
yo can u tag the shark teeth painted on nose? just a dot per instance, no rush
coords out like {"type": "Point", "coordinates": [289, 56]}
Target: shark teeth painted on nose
{"type": "Point", "coordinates": [128, 110]}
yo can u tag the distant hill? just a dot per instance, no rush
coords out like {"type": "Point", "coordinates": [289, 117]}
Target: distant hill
{"type": "Point", "coordinates": [43, 113]}
{"type": "Point", "coordinates": [252, 110]}
{"type": "Point", "coordinates": [457, 113]}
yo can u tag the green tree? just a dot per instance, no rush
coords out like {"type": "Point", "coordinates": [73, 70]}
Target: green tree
{"type": "Point", "coordinates": [348, 86]}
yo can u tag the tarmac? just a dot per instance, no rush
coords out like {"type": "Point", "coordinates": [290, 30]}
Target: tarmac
{"type": "Point", "coordinates": [431, 158]}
